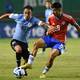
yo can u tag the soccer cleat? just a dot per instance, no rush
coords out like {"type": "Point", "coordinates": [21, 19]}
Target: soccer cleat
{"type": "Point", "coordinates": [43, 76]}
{"type": "Point", "coordinates": [26, 66]}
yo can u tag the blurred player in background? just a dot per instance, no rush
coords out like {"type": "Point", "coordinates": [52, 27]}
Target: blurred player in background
{"type": "Point", "coordinates": [25, 22]}
{"type": "Point", "coordinates": [48, 12]}
{"type": "Point", "coordinates": [55, 37]}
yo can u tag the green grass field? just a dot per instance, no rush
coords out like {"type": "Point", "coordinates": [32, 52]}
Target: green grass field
{"type": "Point", "coordinates": [66, 67]}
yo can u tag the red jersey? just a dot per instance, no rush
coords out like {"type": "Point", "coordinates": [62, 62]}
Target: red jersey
{"type": "Point", "coordinates": [61, 24]}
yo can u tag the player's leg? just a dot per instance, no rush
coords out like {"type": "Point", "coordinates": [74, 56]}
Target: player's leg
{"type": "Point", "coordinates": [56, 51]}
{"type": "Point", "coordinates": [18, 59]}
{"type": "Point", "coordinates": [17, 48]}
{"type": "Point", "coordinates": [53, 54]}
{"type": "Point", "coordinates": [38, 44]}
{"type": "Point", "coordinates": [25, 54]}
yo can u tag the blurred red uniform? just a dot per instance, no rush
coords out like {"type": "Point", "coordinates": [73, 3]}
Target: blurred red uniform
{"type": "Point", "coordinates": [61, 25]}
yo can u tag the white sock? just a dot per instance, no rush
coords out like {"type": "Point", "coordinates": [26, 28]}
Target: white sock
{"type": "Point", "coordinates": [45, 70]}
{"type": "Point", "coordinates": [31, 59]}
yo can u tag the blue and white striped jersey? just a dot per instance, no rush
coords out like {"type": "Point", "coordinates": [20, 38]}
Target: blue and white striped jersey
{"type": "Point", "coordinates": [23, 26]}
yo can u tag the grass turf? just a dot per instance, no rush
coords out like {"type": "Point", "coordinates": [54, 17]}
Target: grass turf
{"type": "Point", "coordinates": [66, 66]}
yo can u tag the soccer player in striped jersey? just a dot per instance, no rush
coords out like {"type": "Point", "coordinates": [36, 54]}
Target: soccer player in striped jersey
{"type": "Point", "coordinates": [24, 23]}
{"type": "Point", "coordinates": [55, 38]}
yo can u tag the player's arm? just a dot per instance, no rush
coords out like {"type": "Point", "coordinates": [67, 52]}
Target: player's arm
{"type": "Point", "coordinates": [73, 22]}
{"type": "Point", "coordinates": [10, 15]}
{"type": "Point", "coordinates": [77, 26]}
{"type": "Point", "coordinates": [4, 15]}
{"type": "Point", "coordinates": [51, 28]}
{"type": "Point", "coordinates": [41, 23]}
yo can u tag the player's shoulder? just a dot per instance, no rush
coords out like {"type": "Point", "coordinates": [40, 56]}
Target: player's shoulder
{"type": "Point", "coordinates": [35, 18]}
{"type": "Point", "coordinates": [67, 16]}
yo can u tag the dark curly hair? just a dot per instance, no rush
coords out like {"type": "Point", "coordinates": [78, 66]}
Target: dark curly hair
{"type": "Point", "coordinates": [28, 7]}
{"type": "Point", "coordinates": [56, 5]}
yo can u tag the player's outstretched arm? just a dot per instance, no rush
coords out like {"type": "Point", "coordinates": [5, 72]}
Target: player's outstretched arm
{"type": "Point", "coordinates": [51, 28]}
{"type": "Point", "coordinates": [74, 23]}
{"type": "Point", "coordinates": [41, 23]}
{"type": "Point", "coordinates": [5, 15]}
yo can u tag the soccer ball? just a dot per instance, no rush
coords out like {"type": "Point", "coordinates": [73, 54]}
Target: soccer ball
{"type": "Point", "coordinates": [18, 72]}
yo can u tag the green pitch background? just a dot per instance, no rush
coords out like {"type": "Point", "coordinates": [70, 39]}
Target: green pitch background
{"type": "Point", "coordinates": [66, 67]}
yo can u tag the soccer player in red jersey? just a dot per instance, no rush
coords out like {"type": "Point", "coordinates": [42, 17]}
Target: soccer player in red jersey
{"type": "Point", "coordinates": [55, 38]}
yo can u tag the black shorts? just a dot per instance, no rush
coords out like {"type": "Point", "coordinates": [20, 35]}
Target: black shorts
{"type": "Point", "coordinates": [24, 46]}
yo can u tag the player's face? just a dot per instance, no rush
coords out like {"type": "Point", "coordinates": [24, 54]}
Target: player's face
{"type": "Point", "coordinates": [27, 13]}
{"type": "Point", "coordinates": [47, 4]}
{"type": "Point", "coordinates": [57, 11]}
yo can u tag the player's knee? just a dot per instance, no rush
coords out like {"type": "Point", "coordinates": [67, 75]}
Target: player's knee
{"type": "Point", "coordinates": [54, 53]}
{"type": "Point", "coordinates": [53, 56]}
{"type": "Point", "coordinates": [18, 50]}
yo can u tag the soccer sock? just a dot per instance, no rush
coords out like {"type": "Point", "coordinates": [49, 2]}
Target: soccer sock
{"type": "Point", "coordinates": [31, 59]}
{"type": "Point", "coordinates": [45, 70]}
{"type": "Point", "coordinates": [18, 62]}
{"type": "Point", "coordinates": [18, 59]}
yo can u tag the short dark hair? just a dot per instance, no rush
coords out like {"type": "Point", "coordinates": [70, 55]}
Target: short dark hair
{"type": "Point", "coordinates": [56, 5]}
{"type": "Point", "coordinates": [48, 1]}
{"type": "Point", "coordinates": [28, 7]}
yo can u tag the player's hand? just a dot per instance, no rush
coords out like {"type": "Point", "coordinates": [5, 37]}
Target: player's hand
{"type": "Point", "coordinates": [5, 15]}
{"type": "Point", "coordinates": [53, 29]}
{"type": "Point", "coordinates": [50, 30]}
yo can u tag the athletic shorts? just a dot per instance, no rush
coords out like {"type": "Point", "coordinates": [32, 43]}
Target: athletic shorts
{"type": "Point", "coordinates": [54, 44]}
{"type": "Point", "coordinates": [24, 46]}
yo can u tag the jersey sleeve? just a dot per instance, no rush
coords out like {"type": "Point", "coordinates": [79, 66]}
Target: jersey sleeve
{"type": "Point", "coordinates": [14, 16]}
{"type": "Point", "coordinates": [38, 21]}
{"type": "Point", "coordinates": [72, 20]}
